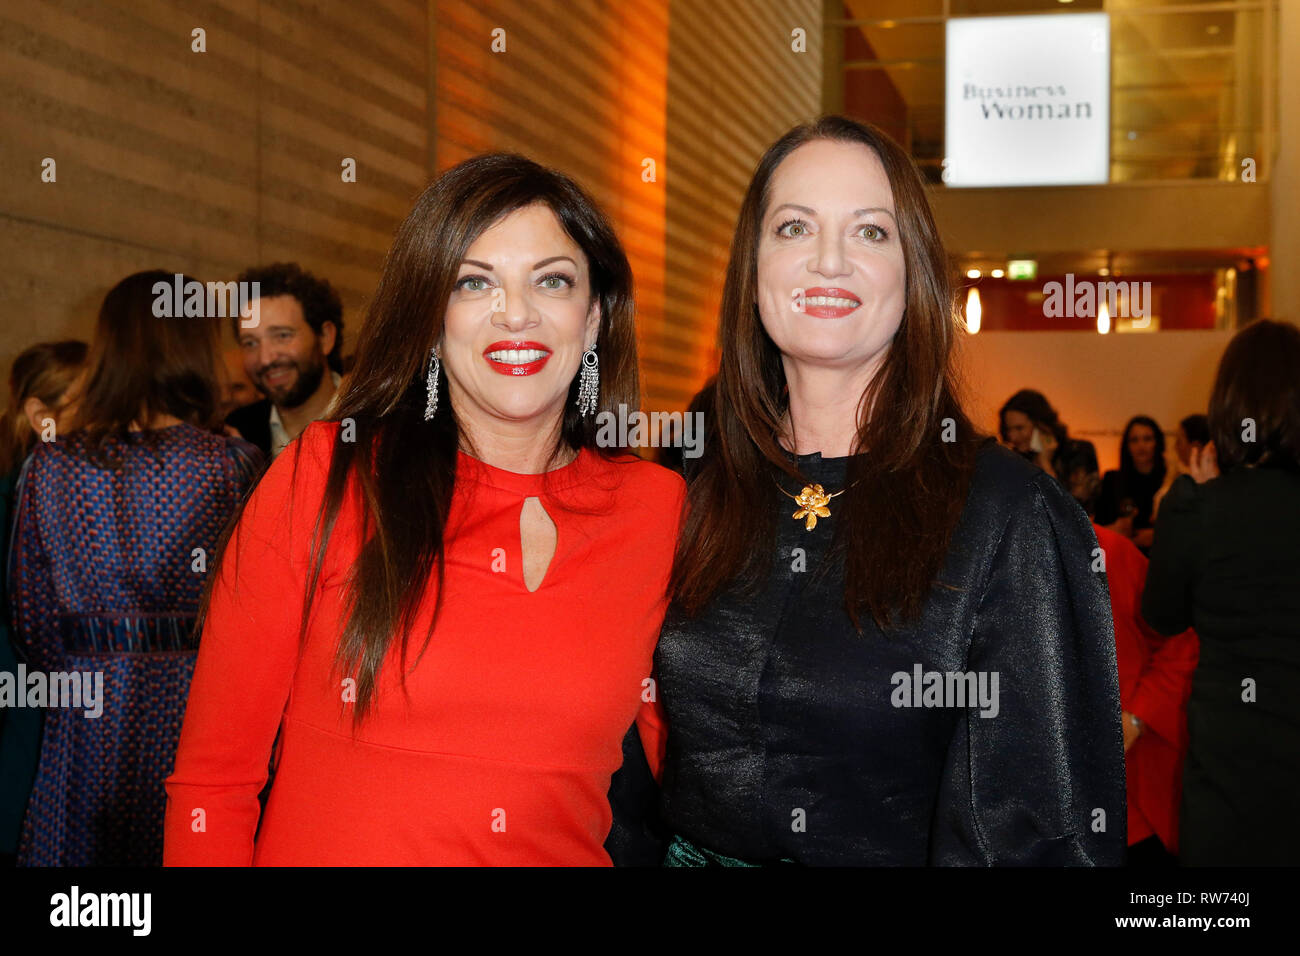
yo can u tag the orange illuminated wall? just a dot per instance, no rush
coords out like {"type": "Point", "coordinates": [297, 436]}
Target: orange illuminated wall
{"type": "Point", "coordinates": [638, 167]}
{"type": "Point", "coordinates": [871, 94]}
{"type": "Point", "coordinates": [1096, 382]}
{"type": "Point", "coordinates": [660, 109]}
{"type": "Point", "coordinates": [736, 82]}
{"type": "Point", "coordinates": [585, 94]}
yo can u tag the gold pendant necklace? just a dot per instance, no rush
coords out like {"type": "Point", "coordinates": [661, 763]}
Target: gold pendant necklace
{"type": "Point", "coordinates": [812, 502]}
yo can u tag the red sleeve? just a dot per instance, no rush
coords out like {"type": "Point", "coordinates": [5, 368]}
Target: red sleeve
{"type": "Point", "coordinates": [248, 652]}
{"type": "Point", "coordinates": [651, 721]}
{"type": "Point", "coordinates": [1160, 700]}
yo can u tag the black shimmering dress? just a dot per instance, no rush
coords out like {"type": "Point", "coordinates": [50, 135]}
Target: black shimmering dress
{"type": "Point", "coordinates": [788, 739]}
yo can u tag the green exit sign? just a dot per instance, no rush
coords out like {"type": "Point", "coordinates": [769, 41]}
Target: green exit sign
{"type": "Point", "coordinates": [1022, 269]}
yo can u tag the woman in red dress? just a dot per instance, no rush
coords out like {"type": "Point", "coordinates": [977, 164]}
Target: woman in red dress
{"type": "Point", "coordinates": [445, 598]}
{"type": "Point", "coordinates": [1155, 680]}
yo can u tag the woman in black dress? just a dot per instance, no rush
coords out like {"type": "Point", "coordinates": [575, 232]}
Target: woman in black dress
{"type": "Point", "coordinates": [919, 668]}
{"type": "Point", "coordinates": [1226, 561]}
{"type": "Point", "coordinates": [1128, 494]}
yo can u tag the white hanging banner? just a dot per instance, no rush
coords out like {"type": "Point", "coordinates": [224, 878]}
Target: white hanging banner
{"type": "Point", "coordinates": [1028, 100]}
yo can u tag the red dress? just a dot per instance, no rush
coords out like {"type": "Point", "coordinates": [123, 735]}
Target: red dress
{"type": "Point", "coordinates": [501, 749]}
{"type": "Point", "coordinates": [1155, 679]}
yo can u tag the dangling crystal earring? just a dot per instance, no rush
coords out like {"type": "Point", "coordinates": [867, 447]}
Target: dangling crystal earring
{"type": "Point", "coordinates": [588, 383]}
{"type": "Point", "coordinates": [435, 366]}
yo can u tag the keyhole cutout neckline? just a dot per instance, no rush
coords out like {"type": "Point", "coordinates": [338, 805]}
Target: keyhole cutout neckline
{"type": "Point", "coordinates": [539, 535]}
{"type": "Point", "coordinates": [538, 540]}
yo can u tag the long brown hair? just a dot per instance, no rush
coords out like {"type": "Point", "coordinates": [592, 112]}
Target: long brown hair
{"type": "Point", "coordinates": [142, 365]}
{"type": "Point", "coordinates": [1258, 379]}
{"type": "Point", "coordinates": [45, 371]}
{"type": "Point", "coordinates": [403, 468]}
{"type": "Point", "coordinates": [914, 453]}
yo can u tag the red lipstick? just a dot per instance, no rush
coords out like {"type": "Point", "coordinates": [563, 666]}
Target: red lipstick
{"type": "Point", "coordinates": [821, 311]}
{"type": "Point", "coordinates": [513, 358]}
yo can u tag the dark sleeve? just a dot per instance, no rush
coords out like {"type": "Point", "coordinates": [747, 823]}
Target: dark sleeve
{"type": "Point", "coordinates": [1108, 501]}
{"type": "Point", "coordinates": [253, 423]}
{"type": "Point", "coordinates": [1041, 782]}
{"type": "Point", "coordinates": [7, 494]}
{"type": "Point", "coordinates": [1160, 699]}
{"type": "Point", "coordinates": [245, 464]}
{"type": "Point", "coordinates": [34, 603]}
{"type": "Point", "coordinates": [1167, 597]}
{"type": "Point", "coordinates": [636, 837]}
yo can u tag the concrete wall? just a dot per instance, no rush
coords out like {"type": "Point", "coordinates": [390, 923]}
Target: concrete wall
{"type": "Point", "coordinates": [209, 162]}
{"type": "Point", "coordinates": [203, 162]}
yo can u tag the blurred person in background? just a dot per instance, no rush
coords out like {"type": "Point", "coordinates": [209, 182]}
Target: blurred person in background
{"type": "Point", "coordinates": [1128, 493]}
{"type": "Point", "coordinates": [238, 389]}
{"type": "Point", "coordinates": [1226, 559]}
{"type": "Point", "coordinates": [292, 354]}
{"type": "Point", "coordinates": [1155, 679]}
{"type": "Point", "coordinates": [42, 388]}
{"type": "Point", "coordinates": [1193, 435]}
{"type": "Point", "coordinates": [1030, 426]}
{"type": "Point", "coordinates": [117, 525]}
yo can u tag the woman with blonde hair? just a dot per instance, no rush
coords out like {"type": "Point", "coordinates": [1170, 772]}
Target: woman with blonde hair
{"type": "Point", "coordinates": [41, 395]}
{"type": "Point", "coordinates": [42, 383]}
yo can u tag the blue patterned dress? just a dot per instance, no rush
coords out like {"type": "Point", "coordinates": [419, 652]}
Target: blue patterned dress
{"type": "Point", "coordinates": [108, 568]}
